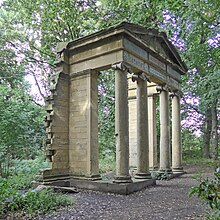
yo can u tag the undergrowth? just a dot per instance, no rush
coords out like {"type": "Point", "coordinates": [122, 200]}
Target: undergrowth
{"type": "Point", "coordinates": [107, 164]}
{"type": "Point", "coordinates": [209, 191]}
{"type": "Point", "coordinates": [17, 196]}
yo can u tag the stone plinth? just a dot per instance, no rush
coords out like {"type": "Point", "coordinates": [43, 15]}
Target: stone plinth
{"type": "Point", "coordinates": [107, 186]}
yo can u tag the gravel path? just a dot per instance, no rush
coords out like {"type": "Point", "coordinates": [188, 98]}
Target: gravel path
{"type": "Point", "coordinates": [167, 200]}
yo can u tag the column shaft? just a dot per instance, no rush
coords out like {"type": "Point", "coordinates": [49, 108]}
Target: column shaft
{"type": "Point", "coordinates": [121, 127]}
{"type": "Point", "coordinates": [164, 132]}
{"type": "Point", "coordinates": [142, 131]}
{"type": "Point", "coordinates": [153, 162]}
{"type": "Point", "coordinates": [176, 136]}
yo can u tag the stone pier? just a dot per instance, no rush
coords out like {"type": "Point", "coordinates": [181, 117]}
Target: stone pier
{"type": "Point", "coordinates": [83, 125]}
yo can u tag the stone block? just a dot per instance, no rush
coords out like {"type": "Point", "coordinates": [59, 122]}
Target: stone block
{"type": "Point", "coordinates": [60, 129]}
{"type": "Point", "coordinates": [60, 165]}
{"type": "Point", "coordinates": [98, 63]}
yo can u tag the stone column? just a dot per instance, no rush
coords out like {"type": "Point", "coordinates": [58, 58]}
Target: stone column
{"type": "Point", "coordinates": [121, 125]}
{"type": "Point", "coordinates": [153, 162]}
{"type": "Point", "coordinates": [142, 129]}
{"type": "Point", "coordinates": [176, 135]}
{"type": "Point", "coordinates": [164, 130]}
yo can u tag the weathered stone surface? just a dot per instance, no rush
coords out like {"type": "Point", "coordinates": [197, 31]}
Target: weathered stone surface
{"type": "Point", "coordinates": [106, 186]}
{"type": "Point", "coordinates": [157, 62]}
{"type": "Point", "coordinates": [142, 131]}
{"type": "Point", "coordinates": [121, 125]}
{"type": "Point", "coordinates": [153, 162]}
{"type": "Point", "coordinates": [176, 135]}
{"type": "Point", "coordinates": [61, 189]}
{"type": "Point", "coordinates": [132, 132]}
{"type": "Point", "coordinates": [83, 124]}
{"type": "Point", "coordinates": [72, 114]}
{"type": "Point", "coordinates": [164, 132]}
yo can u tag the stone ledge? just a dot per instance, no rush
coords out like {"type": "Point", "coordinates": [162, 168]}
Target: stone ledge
{"type": "Point", "coordinates": [108, 186]}
{"type": "Point", "coordinates": [177, 174]}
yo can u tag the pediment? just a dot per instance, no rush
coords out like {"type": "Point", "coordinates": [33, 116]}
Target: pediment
{"type": "Point", "coordinates": [157, 42]}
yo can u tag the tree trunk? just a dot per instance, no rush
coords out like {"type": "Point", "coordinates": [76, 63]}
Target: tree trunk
{"type": "Point", "coordinates": [214, 133]}
{"type": "Point", "coordinates": [207, 133]}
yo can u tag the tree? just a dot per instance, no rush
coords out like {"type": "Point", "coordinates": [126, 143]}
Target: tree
{"type": "Point", "coordinates": [192, 25]}
{"type": "Point", "coordinates": [196, 24]}
{"type": "Point", "coordinates": [21, 120]}
{"type": "Point", "coordinates": [46, 23]}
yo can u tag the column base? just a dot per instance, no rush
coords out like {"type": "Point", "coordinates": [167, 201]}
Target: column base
{"type": "Point", "coordinates": [155, 168]}
{"type": "Point", "coordinates": [178, 170]}
{"type": "Point", "coordinates": [93, 177]}
{"type": "Point", "coordinates": [165, 170]}
{"type": "Point", "coordinates": [122, 179]}
{"type": "Point", "coordinates": [142, 176]}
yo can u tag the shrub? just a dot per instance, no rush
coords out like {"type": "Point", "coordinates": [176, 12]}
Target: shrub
{"type": "Point", "coordinates": [107, 163]}
{"type": "Point", "coordinates": [209, 191]}
{"type": "Point", "coordinates": [30, 167]}
{"type": "Point", "coordinates": [16, 195]}
{"type": "Point", "coordinates": [43, 201]}
{"type": "Point", "coordinates": [160, 176]}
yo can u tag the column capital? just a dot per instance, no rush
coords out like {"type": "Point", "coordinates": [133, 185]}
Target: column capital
{"type": "Point", "coordinates": [122, 66]}
{"type": "Point", "coordinates": [161, 88]}
{"type": "Point", "coordinates": [177, 93]}
{"type": "Point", "coordinates": [141, 75]}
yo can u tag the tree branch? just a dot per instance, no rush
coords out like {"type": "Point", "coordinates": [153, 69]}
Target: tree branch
{"type": "Point", "coordinates": [38, 86]}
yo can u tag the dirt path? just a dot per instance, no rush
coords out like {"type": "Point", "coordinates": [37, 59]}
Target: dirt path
{"type": "Point", "coordinates": [168, 200]}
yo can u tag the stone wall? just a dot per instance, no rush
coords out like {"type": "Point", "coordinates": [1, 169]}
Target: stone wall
{"type": "Point", "coordinates": [132, 107]}
{"type": "Point", "coordinates": [57, 108]}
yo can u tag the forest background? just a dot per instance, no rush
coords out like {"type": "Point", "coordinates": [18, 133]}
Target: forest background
{"type": "Point", "coordinates": [29, 33]}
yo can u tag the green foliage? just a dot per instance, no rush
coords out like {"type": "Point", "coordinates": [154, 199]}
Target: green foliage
{"type": "Point", "coordinates": [71, 19]}
{"type": "Point", "coordinates": [160, 176]}
{"type": "Point", "coordinates": [16, 197]}
{"type": "Point", "coordinates": [30, 167]}
{"type": "Point", "coordinates": [21, 127]}
{"type": "Point", "coordinates": [21, 120]}
{"type": "Point", "coordinates": [192, 145]}
{"type": "Point", "coordinates": [107, 164]}
{"type": "Point", "coordinates": [44, 201]}
{"type": "Point", "coordinates": [209, 191]}
{"type": "Point", "coordinates": [30, 31]}
{"type": "Point", "coordinates": [106, 111]}
{"type": "Point", "coordinates": [146, 13]}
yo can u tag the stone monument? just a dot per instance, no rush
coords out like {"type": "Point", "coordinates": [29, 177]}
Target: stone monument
{"type": "Point", "coordinates": [146, 65]}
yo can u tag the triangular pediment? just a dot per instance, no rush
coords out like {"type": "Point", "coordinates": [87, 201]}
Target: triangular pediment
{"type": "Point", "coordinates": [158, 42]}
